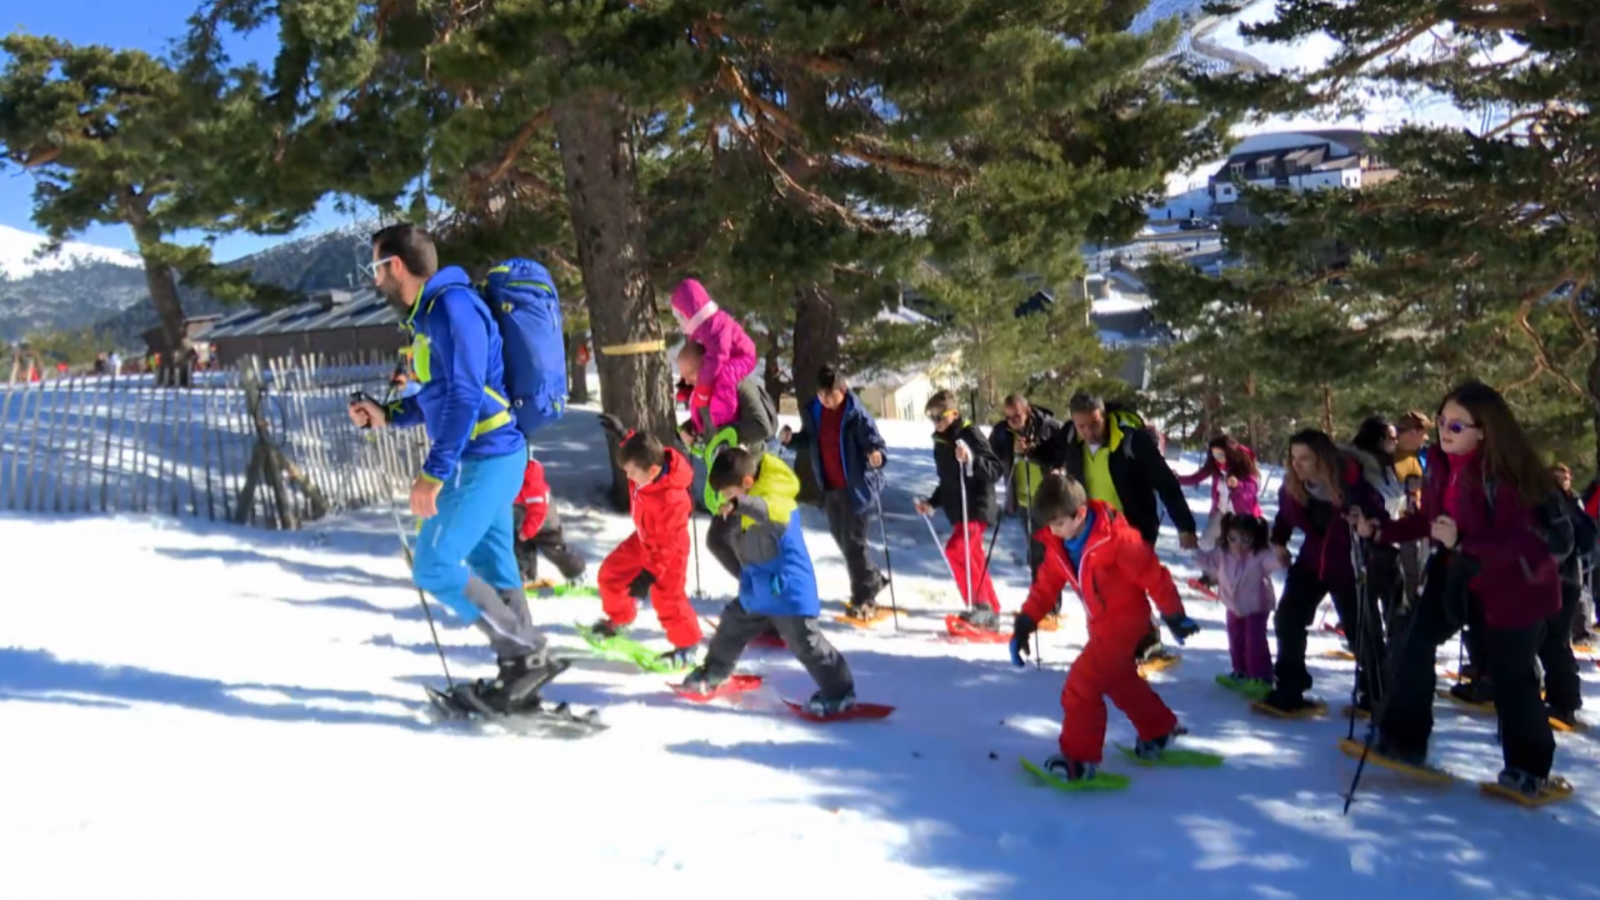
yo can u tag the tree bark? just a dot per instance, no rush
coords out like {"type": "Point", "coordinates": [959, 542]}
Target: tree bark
{"type": "Point", "coordinates": [816, 344]}
{"type": "Point", "coordinates": [577, 372]}
{"type": "Point", "coordinates": [1327, 409]}
{"type": "Point", "coordinates": [162, 283]}
{"type": "Point", "coordinates": [598, 162]}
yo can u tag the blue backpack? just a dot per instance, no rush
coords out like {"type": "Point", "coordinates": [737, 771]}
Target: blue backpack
{"type": "Point", "coordinates": [522, 297]}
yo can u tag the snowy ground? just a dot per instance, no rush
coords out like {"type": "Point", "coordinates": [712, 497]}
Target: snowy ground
{"type": "Point", "coordinates": [205, 711]}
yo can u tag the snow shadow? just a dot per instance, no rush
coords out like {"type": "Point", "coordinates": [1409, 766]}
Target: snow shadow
{"type": "Point", "coordinates": [944, 768]}
{"type": "Point", "coordinates": [310, 571]}
{"type": "Point", "coordinates": [38, 676]}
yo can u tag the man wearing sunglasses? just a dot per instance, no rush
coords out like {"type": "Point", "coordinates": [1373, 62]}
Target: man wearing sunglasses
{"type": "Point", "coordinates": [476, 456]}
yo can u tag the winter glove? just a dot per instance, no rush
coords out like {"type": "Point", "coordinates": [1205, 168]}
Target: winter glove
{"type": "Point", "coordinates": [613, 426]}
{"type": "Point", "coordinates": [685, 391]}
{"type": "Point", "coordinates": [1022, 629]}
{"type": "Point", "coordinates": [1181, 626]}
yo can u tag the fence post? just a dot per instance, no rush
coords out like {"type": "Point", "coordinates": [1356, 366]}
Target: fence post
{"type": "Point", "coordinates": [265, 458]}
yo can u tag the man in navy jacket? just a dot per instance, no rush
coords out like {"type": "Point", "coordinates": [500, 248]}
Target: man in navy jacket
{"type": "Point", "coordinates": [847, 456]}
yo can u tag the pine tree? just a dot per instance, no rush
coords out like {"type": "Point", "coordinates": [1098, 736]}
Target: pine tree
{"type": "Point", "coordinates": [1491, 232]}
{"type": "Point", "coordinates": [114, 137]}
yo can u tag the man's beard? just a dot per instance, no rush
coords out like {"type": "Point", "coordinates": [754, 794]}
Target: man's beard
{"type": "Point", "coordinates": [391, 295]}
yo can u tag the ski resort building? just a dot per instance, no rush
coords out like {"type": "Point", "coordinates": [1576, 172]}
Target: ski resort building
{"type": "Point", "coordinates": [1299, 161]}
{"type": "Point", "coordinates": [331, 322]}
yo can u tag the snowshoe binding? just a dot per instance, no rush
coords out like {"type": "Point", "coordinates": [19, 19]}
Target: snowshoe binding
{"type": "Point", "coordinates": [1527, 789]}
{"type": "Point", "coordinates": [863, 614]}
{"type": "Point", "coordinates": [1284, 705]}
{"type": "Point", "coordinates": [1071, 775]}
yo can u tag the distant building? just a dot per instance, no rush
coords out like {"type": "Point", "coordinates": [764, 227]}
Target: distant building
{"type": "Point", "coordinates": [332, 322]}
{"type": "Point", "coordinates": [1299, 161]}
{"type": "Point", "coordinates": [155, 339]}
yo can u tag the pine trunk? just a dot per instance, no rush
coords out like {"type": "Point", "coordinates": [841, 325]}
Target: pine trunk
{"type": "Point", "coordinates": [1592, 382]}
{"type": "Point", "coordinates": [597, 158]}
{"type": "Point", "coordinates": [577, 371]}
{"type": "Point", "coordinates": [1327, 409]}
{"type": "Point", "coordinates": [816, 344]}
{"type": "Point", "coordinates": [162, 283]}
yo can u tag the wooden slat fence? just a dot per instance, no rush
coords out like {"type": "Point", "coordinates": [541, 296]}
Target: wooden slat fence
{"type": "Point", "coordinates": [267, 443]}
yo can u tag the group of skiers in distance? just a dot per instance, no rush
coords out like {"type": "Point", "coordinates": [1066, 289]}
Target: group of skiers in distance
{"type": "Point", "coordinates": [1413, 543]}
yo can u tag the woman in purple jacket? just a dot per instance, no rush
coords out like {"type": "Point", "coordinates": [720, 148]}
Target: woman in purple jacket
{"type": "Point", "coordinates": [1486, 482]}
{"type": "Point", "coordinates": [1320, 486]}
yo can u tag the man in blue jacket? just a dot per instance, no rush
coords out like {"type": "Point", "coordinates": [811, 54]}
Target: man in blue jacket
{"type": "Point", "coordinates": [464, 551]}
{"type": "Point", "coordinates": [847, 454]}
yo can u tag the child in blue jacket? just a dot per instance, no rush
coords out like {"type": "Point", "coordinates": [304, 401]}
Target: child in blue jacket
{"type": "Point", "coordinates": [777, 586]}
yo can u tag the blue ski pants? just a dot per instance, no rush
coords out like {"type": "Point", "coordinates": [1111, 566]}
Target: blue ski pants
{"type": "Point", "coordinates": [472, 534]}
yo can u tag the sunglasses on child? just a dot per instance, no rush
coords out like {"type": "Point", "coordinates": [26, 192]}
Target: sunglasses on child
{"type": "Point", "coordinates": [1455, 427]}
{"type": "Point", "coordinates": [1239, 539]}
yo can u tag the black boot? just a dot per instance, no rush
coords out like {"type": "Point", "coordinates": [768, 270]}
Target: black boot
{"type": "Point", "coordinates": [517, 686]}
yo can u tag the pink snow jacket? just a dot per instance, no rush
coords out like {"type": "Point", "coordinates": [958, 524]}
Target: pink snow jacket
{"type": "Point", "coordinates": [1244, 583]}
{"type": "Point", "coordinates": [730, 355]}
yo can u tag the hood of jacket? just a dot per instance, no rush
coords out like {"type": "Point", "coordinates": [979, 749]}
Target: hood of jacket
{"type": "Point", "coordinates": [691, 305]}
{"type": "Point", "coordinates": [777, 484]}
{"type": "Point", "coordinates": [676, 475]}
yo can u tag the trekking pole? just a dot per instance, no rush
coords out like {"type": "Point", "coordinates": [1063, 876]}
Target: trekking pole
{"type": "Point", "coordinates": [989, 554]}
{"type": "Point", "coordinates": [1358, 564]}
{"type": "Point", "coordinates": [1027, 550]}
{"type": "Point", "coordinates": [405, 548]}
{"type": "Point", "coordinates": [883, 532]}
{"type": "Point", "coordinates": [694, 536]}
{"type": "Point", "coordinates": [928, 521]}
{"type": "Point", "coordinates": [422, 598]}
{"type": "Point", "coordinates": [1378, 709]}
{"type": "Point", "coordinates": [966, 530]}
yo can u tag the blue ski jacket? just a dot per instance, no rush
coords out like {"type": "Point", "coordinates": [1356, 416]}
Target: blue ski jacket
{"type": "Point", "coordinates": [456, 358]}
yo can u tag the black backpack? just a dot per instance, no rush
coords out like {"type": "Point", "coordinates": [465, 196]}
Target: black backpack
{"type": "Point", "coordinates": [1555, 525]}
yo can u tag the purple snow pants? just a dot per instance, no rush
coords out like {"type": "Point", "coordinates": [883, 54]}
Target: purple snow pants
{"type": "Point", "coordinates": [1247, 645]}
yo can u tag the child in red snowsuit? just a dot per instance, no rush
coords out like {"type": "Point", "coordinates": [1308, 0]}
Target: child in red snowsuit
{"type": "Point", "coordinates": [538, 525]}
{"type": "Point", "coordinates": [656, 556]}
{"type": "Point", "coordinates": [1090, 546]}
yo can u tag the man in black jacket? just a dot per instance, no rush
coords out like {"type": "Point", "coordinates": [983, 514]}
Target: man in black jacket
{"type": "Point", "coordinates": [1024, 426]}
{"type": "Point", "coordinates": [968, 470]}
{"type": "Point", "coordinates": [1111, 454]}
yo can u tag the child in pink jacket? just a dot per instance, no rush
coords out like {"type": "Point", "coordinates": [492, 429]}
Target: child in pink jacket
{"type": "Point", "coordinates": [1242, 564]}
{"type": "Point", "coordinates": [730, 356]}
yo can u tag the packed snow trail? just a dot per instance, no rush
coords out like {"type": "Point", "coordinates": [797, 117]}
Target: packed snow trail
{"type": "Point", "coordinates": [207, 712]}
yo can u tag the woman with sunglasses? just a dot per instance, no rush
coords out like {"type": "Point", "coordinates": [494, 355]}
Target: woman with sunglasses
{"type": "Point", "coordinates": [1484, 486]}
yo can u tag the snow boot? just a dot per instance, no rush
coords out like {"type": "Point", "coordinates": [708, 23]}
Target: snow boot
{"type": "Point", "coordinates": [1390, 750]}
{"type": "Point", "coordinates": [820, 705]}
{"type": "Point", "coordinates": [1070, 769]}
{"type": "Point", "coordinates": [1152, 749]}
{"type": "Point", "coordinates": [981, 617]}
{"type": "Point", "coordinates": [700, 681]}
{"type": "Point", "coordinates": [517, 686]}
{"type": "Point", "coordinates": [1287, 703]}
{"type": "Point", "coordinates": [680, 657]}
{"type": "Point", "coordinates": [605, 629]}
{"type": "Point", "coordinates": [1474, 692]}
{"type": "Point", "coordinates": [1528, 785]}
{"type": "Point", "coordinates": [862, 610]}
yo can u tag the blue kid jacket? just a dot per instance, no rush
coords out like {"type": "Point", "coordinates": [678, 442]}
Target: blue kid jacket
{"type": "Point", "coordinates": [456, 359]}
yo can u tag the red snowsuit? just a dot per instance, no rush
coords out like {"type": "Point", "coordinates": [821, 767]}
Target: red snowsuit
{"type": "Point", "coordinates": [1116, 575]}
{"type": "Point", "coordinates": [659, 546]}
{"type": "Point", "coordinates": [534, 499]}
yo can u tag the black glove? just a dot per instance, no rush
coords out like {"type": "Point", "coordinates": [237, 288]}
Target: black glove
{"type": "Point", "coordinates": [612, 426]}
{"type": "Point", "coordinates": [1181, 626]}
{"type": "Point", "coordinates": [1022, 629]}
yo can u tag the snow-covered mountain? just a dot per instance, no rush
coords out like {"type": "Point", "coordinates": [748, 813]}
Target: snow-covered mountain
{"type": "Point", "coordinates": [19, 249]}
{"type": "Point", "coordinates": [87, 285]}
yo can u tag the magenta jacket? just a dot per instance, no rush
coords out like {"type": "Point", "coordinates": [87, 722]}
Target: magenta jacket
{"type": "Point", "coordinates": [730, 355]}
{"type": "Point", "coordinates": [1518, 579]}
{"type": "Point", "coordinates": [1242, 499]}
